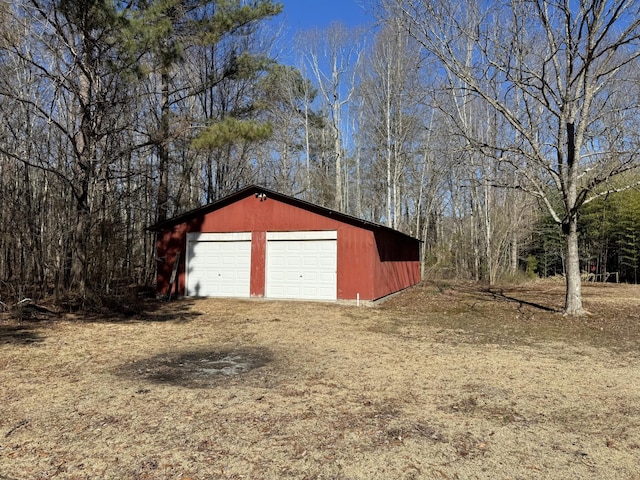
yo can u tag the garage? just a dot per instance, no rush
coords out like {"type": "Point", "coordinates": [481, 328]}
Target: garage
{"type": "Point", "coordinates": [260, 243]}
{"type": "Point", "coordinates": [302, 265]}
{"type": "Point", "coordinates": [218, 264]}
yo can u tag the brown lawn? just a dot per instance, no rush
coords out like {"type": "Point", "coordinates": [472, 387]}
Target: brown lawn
{"type": "Point", "coordinates": [444, 381]}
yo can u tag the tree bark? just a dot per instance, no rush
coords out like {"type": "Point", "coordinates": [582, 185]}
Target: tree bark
{"type": "Point", "coordinates": [83, 172]}
{"type": "Point", "coordinates": [573, 299]}
{"type": "Point", "coordinates": [513, 253]}
{"type": "Point", "coordinates": [162, 148]}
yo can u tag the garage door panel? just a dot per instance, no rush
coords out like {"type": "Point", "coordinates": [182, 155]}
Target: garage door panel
{"type": "Point", "coordinates": [304, 269]}
{"type": "Point", "coordinates": [218, 268]}
{"type": "Point", "coordinates": [279, 275]}
{"type": "Point", "coordinates": [311, 262]}
{"type": "Point", "coordinates": [325, 277]}
{"type": "Point", "coordinates": [291, 277]}
{"type": "Point", "coordinates": [326, 261]}
{"type": "Point", "coordinates": [277, 293]}
{"type": "Point", "coordinates": [293, 260]}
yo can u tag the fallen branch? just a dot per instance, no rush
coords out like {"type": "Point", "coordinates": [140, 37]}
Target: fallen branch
{"type": "Point", "coordinates": [20, 424]}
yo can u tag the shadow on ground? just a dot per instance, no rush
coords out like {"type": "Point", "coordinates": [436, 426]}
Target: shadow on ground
{"type": "Point", "coordinates": [499, 294]}
{"type": "Point", "coordinates": [146, 310]}
{"type": "Point", "coordinates": [20, 334]}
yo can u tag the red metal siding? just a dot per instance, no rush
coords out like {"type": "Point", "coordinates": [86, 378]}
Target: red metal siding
{"type": "Point", "coordinates": [169, 243]}
{"type": "Point", "coordinates": [397, 264]}
{"type": "Point", "coordinates": [361, 271]}
{"type": "Point", "coordinates": [356, 254]}
{"type": "Point", "coordinates": [258, 252]}
{"type": "Point", "coordinates": [251, 214]}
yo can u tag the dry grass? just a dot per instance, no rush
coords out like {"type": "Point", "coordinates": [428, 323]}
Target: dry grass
{"type": "Point", "coordinates": [440, 382]}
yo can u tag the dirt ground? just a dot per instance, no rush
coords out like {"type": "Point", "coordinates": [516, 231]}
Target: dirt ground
{"type": "Point", "coordinates": [443, 381]}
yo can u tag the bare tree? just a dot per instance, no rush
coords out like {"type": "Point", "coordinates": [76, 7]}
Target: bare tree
{"type": "Point", "coordinates": [334, 58]}
{"type": "Point", "coordinates": [559, 66]}
{"type": "Point", "coordinates": [284, 95]}
{"type": "Point", "coordinates": [392, 101]}
{"type": "Point", "coordinates": [71, 50]}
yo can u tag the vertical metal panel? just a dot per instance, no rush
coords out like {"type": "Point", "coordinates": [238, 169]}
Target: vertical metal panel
{"type": "Point", "coordinates": [355, 263]}
{"type": "Point", "coordinates": [258, 249]}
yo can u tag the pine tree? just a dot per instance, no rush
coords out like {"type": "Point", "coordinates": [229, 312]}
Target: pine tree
{"type": "Point", "coordinates": [168, 28]}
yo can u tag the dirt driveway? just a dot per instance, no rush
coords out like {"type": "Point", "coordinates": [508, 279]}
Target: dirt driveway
{"type": "Point", "coordinates": [444, 381]}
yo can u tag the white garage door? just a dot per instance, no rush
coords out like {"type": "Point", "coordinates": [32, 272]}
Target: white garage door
{"type": "Point", "coordinates": [218, 264]}
{"type": "Point", "coordinates": [302, 265]}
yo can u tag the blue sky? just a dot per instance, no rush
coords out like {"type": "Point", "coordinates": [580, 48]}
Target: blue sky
{"type": "Point", "coordinates": [308, 14]}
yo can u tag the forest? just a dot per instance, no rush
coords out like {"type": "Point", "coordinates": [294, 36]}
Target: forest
{"type": "Point", "coordinates": [504, 135]}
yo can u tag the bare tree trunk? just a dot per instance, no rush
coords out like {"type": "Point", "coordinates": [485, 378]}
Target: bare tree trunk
{"type": "Point", "coordinates": [162, 148]}
{"type": "Point", "coordinates": [83, 171]}
{"type": "Point", "coordinates": [307, 142]}
{"type": "Point", "coordinates": [388, 144]}
{"type": "Point", "coordinates": [488, 233]}
{"type": "Point", "coordinates": [358, 174]}
{"type": "Point", "coordinates": [573, 299]}
{"type": "Point", "coordinates": [337, 151]}
{"type": "Point", "coordinates": [513, 253]}
{"type": "Point", "coordinates": [79, 266]}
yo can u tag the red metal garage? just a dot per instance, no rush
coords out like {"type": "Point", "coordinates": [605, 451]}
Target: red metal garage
{"type": "Point", "coordinates": [260, 243]}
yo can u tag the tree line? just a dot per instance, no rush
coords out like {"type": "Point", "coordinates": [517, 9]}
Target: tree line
{"type": "Point", "coordinates": [460, 123]}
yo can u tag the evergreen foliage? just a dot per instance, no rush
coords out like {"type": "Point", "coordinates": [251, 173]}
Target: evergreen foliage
{"type": "Point", "coordinates": [232, 130]}
{"type": "Point", "coordinates": [609, 239]}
